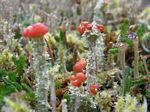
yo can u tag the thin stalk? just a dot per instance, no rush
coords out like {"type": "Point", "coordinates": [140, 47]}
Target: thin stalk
{"type": "Point", "coordinates": [64, 105]}
{"type": "Point", "coordinates": [53, 95]}
{"type": "Point", "coordinates": [122, 51]}
{"type": "Point", "coordinates": [136, 58]}
{"type": "Point", "coordinates": [50, 52]}
{"type": "Point", "coordinates": [52, 79]}
{"type": "Point", "coordinates": [40, 76]}
{"type": "Point", "coordinates": [123, 60]}
{"type": "Point", "coordinates": [145, 66]}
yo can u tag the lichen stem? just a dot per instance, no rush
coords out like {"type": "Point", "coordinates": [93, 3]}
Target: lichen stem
{"type": "Point", "coordinates": [40, 76]}
{"type": "Point", "coordinates": [122, 59]}
{"type": "Point", "coordinates": [136, 58]}
{"type": "Point", "coordinates": [53, 95]}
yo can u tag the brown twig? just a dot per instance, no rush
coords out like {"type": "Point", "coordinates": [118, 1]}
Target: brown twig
{"type": "Point", "coordinates": [50, 52]}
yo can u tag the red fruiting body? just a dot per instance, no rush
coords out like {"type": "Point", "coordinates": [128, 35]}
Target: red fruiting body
{"type": "Point", "coordinates": [84, 25]}
{"type": "Point", "coordinates": [100, 27]}
{"type": "Point", "coordinates": [76, 83]}
{"type": "Point", "coordinates": [83, 62]}
{"type": "Point", "coordinates": [72, 78]}
{"type": "Point", "coordinates": [81, 77]}
{"type": "Point", "coordinates": [93, 89]}
{"type": "Point", "coordinates": [39, 29]}
{"type": "Point", "coordinates": [36, 30]}
{"type": "Point", "coordinates": [89, 26]}
{"type": "Point", "coordinates": [27, 31]}
{"type": "Point", "coordinates": [94, 86]}
{"type": "Point", "coordinates": [81, 29]}
{"type": "Point", "coordinates": [80, 65]}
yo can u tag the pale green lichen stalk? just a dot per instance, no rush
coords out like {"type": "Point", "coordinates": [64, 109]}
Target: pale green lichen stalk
{"type": "Point", "coordinates": [52, 72]}
{"type": "Point", "coordinates": [41, 76]}
{"type": "Point", "coordinates": [64, 105]}
{"type": "Point", "coordinates": [136, 57]}
{"type": "Point", "coordinates": [95, 62]}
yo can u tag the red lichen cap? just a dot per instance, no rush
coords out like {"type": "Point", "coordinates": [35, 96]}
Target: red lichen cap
{"type": "Point", "coordinates": [100, 27]}
{"type": "Point", "coordinates": [81, 77]}
{"type": "Point", "coordinates": [84, 25]}
{"type": "Point", "coordinates": [35, 30]}
{"type": "Point", "coordinates": [93, 89]}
